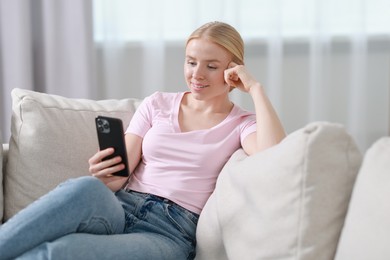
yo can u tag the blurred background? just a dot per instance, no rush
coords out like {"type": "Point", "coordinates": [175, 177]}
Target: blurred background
{"type": "Point", "coordinates": [319, 60]}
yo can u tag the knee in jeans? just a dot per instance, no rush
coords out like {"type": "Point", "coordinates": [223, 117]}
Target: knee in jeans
{"type": "Point", "coordinates": [82, 185]}
{"type": "Point", "coordinates": [83, 182]}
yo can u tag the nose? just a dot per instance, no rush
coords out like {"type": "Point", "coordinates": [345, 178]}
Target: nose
{"type": "Point", "coordinates": [197, 73]}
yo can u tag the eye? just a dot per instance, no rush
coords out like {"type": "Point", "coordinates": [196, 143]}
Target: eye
{"type": "Point", "coordinates": [211, 67]}
{"type": "Point", "coordinates": [191, 63]}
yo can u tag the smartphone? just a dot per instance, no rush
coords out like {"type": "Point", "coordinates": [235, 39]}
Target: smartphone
{"type": "Point", "coordinates": [110, 134]}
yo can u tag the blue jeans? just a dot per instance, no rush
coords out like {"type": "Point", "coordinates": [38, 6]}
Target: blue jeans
{"type": "Point", "coordinates": [83, 219]}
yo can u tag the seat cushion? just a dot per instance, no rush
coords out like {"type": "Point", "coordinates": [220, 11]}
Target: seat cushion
{"type": "Point", "coordinates": [287, 202]}
{"type": "Point", "coordinates": [366, 233]}
{"type": "Point", "coordinates": [52, 138]}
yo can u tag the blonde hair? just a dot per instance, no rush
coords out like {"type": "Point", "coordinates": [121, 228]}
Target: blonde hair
{"type": "Point", "coordinates": [224, 35]}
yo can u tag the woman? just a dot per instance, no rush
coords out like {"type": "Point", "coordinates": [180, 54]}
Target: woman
{"type": "Point", "coordinates": [178, 144]}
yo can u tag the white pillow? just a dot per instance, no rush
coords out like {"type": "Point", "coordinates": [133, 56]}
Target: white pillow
{"type": "Point", "coordinates": [366, 233]}
{"type": "Point", "coordinates": [287, 202]}
{"type": "Point", "coordinates": [52, 139]}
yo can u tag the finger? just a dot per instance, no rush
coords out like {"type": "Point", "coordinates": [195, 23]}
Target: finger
{"type": "Point", "coordinates": [231, 77]}
{"type": "Point", "coordinates": [108, 172]}
{"type": "Point", "coordinates": [232, 64]}
{"type": "Point", "coordinates": [100, 155]}
{"type": "Point", "coordinates": [101, 165]}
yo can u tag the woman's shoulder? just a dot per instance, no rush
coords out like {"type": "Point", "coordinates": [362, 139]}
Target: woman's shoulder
{"type": "Point", "coordinates": [164, 99]}
{"type": "Point", "coordinates": [241, 112]}
{"type": "Point", "coordinates": [159, 95]}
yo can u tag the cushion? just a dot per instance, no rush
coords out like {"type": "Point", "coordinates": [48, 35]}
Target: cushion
{"type": "Point", "coordinates": [366, 233]}
{"type": "Point", "coordinates": [52, 138]}
{"type": "Point", "coordinates": [286, 202]}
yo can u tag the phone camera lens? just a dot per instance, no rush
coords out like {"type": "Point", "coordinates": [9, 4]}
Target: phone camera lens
{"type": "Point", "coordinates": [103, 125]}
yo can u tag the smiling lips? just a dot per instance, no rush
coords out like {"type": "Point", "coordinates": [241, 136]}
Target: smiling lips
{"type": "Point", "coordinates": [199, 86]}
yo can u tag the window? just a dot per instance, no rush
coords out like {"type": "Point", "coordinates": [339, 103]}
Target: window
{"type": "Point", "coordinates": [131, 20]}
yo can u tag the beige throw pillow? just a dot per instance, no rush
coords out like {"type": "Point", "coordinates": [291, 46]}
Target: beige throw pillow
{"type": "Point", "coordinates": [52, 139]}
{"type": "Point", "coordinates": [366, 233]}
{"type": "Point", "coordinates": [287, 202]}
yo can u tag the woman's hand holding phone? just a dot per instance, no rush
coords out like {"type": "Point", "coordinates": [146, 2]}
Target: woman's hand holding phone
{"type": "Point", "coordinates": [104, 169]}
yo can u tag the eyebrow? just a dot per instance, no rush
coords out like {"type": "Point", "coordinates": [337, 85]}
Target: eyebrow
{"type": "Point", "coordinates": [211, 60]}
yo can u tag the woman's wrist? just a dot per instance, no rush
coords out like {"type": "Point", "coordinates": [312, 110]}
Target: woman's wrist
{"type": "Point", "coordinates": [256, 87]}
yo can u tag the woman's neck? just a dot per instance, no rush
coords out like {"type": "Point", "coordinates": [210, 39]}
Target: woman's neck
{"type": "Point", "coordinates": [221, 104]}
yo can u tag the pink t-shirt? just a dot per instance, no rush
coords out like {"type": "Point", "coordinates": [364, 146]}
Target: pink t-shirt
{"type": "Point", "coordinates": [183, 166]}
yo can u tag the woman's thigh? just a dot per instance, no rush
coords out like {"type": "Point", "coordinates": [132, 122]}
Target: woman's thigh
{"type": "Point", "coordinates": [155, 229]}
{"type": "Point", "coordinates": [150, 214]}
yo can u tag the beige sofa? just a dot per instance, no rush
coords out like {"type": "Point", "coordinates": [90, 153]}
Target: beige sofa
{"type": "Point", "coordinates": [313, 196]}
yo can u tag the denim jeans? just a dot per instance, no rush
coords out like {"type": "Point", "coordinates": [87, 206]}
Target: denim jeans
{"type": "Point", "coordinates": [83, 219]}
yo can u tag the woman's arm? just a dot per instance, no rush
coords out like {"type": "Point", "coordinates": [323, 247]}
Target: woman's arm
{"type": "Point", "coordinates": [269, 128]}
{"type": "Point", "coordinates": [104, 169]}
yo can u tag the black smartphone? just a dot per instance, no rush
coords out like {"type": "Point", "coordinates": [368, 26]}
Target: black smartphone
{"type": "Point", "coordinates": [110, 134]}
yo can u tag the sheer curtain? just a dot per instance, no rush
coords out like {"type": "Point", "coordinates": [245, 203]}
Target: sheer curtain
{"type": "Point", "coordinates": [325, 60]}
{"type": "Point", "coordinates": [318, 59]}
{"type": "Point", "coordinates": [45, 46]}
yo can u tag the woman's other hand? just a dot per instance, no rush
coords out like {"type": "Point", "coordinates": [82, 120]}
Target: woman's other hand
{"type": "Point", "coordinates": [238, 76]}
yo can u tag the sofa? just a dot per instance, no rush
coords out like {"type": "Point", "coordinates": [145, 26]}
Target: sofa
{"type": "Point", "coordinates": [313, 196]}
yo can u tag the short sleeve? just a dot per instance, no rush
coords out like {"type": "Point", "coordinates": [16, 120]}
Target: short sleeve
{"type": "Point", "coordinates": [141, 122]}
{"type": "Point", "coordinates": [248, 126]}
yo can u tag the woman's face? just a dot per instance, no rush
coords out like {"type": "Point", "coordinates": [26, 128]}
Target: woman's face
{"type": "Point", "coordinates": [204, 68]}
